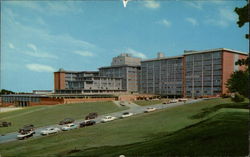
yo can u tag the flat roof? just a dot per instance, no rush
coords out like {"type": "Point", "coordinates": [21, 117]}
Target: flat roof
{"type": "Point", "coordinates": [162, 58]}
{"type": "Point", "coordinates": [117, 66]}
{"type": "Point", "coordinates": [68, 71]}
{"type": "Point", "coordinates": [57, 95]}
{"type": "Point", "coordinates": [213, 50]}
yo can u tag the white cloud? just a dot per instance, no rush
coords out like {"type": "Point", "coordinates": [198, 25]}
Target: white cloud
{"type": "Point", "coordinates": [152, 4]}
{"type": "Point", "coordinates": [192, 21]}
{"type": "Point", "coordinates": [50, 45]}
{"type": "Point", "coordinates": [11, 46]}
{"type": "Point", "coordinates": [199, 4]}
{"type": "Point", "coordinates": [227, 14]}
{"type": "Point", "coordinates": [84, 53]}
{"type": "Point", "coordinates": [32, 46]}
{"type": "Point", "coordinates": [223, 18]}
{"type": "Point", "coordinates": [136, 53]}
{"type": "Point", "coordinates": [40, 68]}
{"type": "Point", "coordinates": [166, 23]}
{"type": "Point", "coordinates": [195, 4]}
{"type": "Point", "coordinates": [36, 53]}
{"type": "Point", "coordinates": [51, 7]}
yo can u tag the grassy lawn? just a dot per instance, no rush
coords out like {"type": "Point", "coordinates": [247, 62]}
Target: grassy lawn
{"type": "Point", "coordinates": [149, 102]}
{"type": "Point", "coordinates": [120, 134]}
{"type": "Point", "coordinates": [225, 134]}
{"type": "Point", "coordinates": [46, 115]}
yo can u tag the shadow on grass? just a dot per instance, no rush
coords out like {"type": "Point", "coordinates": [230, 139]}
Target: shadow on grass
{"type": "Point", "coordinates": [224, 134]}
{"type": "Point", "coordinates": [206, 111]}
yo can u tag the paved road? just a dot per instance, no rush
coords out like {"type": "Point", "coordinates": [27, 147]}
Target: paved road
{"type": "Point", "coordinates": [134, 108]}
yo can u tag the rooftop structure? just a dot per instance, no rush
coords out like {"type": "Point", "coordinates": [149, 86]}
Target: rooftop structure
{"type": "Point", "coordinates": [126, 67]}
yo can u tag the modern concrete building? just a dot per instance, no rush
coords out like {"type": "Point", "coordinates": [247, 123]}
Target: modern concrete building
{"type": "Point", "coordinates": [85, 82]}
{"type": "Point", "coordinates": [206, 72]}
{"type": "Point", "coordinates": [162, 75]}
{"type": "Point", "coordinates": [194, 74]}
{"type": "Point", "coordinates": [126, 67]}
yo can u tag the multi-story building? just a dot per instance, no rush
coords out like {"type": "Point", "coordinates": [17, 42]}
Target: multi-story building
{"type": "Point", "coordinates": [206, 72]}
{"type": "Point", "coordinates": [162, 76]}
{"type": "Point", "coordinates": [194, 74]}
{"type": "Point", "coordinates": [85, 82]}
{"type": "Point", "coordinates": [126, 67]}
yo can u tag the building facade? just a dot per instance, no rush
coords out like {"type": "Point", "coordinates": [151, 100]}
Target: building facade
{"type": "Point", "coordinates": [126, 67]}
{"type": "Point", "coordinates": [194, 74]}
{"type": "Point", "coordinates": [85, 82]}
{"type": "Point", "coordinates": [162, 76]}
{"type": "Point", "coordinates": [206, 72]}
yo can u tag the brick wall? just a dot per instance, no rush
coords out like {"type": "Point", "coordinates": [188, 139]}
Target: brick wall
{"type": "Point", "coordinates": [59, 80]}
{"type": "Point", "coordinates": [228, 64]}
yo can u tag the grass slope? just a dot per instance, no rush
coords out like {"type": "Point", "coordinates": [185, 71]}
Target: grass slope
{"type": "Point", "coordinates": [136, 129]}
{"type": "Point", "coordinates": [149, 102]}
{"type": "Point", "coordinates": [225, 134]}
{"type": "Point", "coordinates": [45, 115]}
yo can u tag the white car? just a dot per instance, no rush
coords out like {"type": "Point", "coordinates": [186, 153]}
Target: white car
{"type": "Point", "coordinates": [107, 119]}
{"type": "Point", "coordinates": [174, 101]}
{"type": "Point", "coordinates": [28, 134]}
{"type": "Point", "coordinates": [183, 99]}
{"type": "Point", "coordinates": [126, 114]}
{"type": "Point", "coordinates": [150, 109]}
{"type": "Point", "coordinates": [69, 127]}
{"type": "Point", "coordinates": [48, 131]}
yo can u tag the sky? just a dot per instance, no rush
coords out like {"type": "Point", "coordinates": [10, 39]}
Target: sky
{"type": "Point", "coordinates": [39, 37]}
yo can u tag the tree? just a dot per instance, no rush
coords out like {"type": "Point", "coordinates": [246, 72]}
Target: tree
{"type": "Point", "coordinates": [243, 16]}
{"type": "Point", "coordinates": [239, 82]}
{"type": "Point", "coordinates": [4, 91]}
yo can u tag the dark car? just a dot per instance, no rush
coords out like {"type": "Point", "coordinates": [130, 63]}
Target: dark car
{"type": "Point", "coordinates": [66, 121]}
{"type": "Point", "coordinates": [87, 123]}
{"type": "Point", "coordinates": [26, 132]}
{"type": "Point", "coordinates": [92, 115]}
{"type": "Point", "coordinates": [5, 124]}
{"type": "Point", "coordinates": [26, 128]}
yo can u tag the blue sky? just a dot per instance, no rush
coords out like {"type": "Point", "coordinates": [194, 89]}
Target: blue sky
{"type": "Point", "coordinates": [39, 37]}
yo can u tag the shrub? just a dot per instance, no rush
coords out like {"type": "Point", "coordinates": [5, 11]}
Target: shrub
{"type": "Point", "coordinates": [225, 96]}
{"type": "Point", "coordinates": [238, 98]}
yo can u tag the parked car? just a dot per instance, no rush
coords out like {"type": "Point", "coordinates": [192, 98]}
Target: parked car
{"type": "Point", "coordinates": [92, 115]}
{"type": "Point", "coordinates": [26, 132]}
{"type": "Point", "coordinates": [69, 127]}
{"type": "Point", "coordinates": [26, 128]}
{"type": "Point", "coordinates": [183, 100]}
{"type": "Point", "coordinates": [5, 124]}
{"type": "Point", "coordinates": [173, 100]}
{"type": "Point", "coordinates": [126, 114]}
{"type": "Point", "coordinates": [107, 119]}
{"type": "Point", "coordinates": [166, 102]}
{"type": "Point", "coordinates": [123, 103]}
{"type": "Point", "coordinates": [87, 123]}
{"type": "Point", "coordinates": [66, 121]}
{"type": "Point", "coordinates": [150, 109]}
{"type": "Point", "coordinates": [48, 131]}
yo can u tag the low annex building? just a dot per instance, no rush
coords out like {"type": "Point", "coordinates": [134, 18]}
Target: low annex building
{"type": "Point", "coordinates": [24, 100]}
